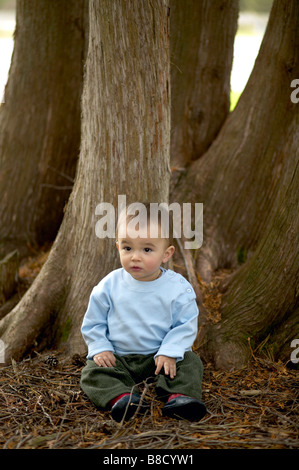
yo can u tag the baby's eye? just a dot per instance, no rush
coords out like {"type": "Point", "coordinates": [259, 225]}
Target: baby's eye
{"type": "Point", "coordinates": [148, 250]}
{"type": "Point", "coordinates": [127, 248]}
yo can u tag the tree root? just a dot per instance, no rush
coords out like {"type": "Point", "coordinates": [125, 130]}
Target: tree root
{"type": "Point", "coordinates": [20, 328]}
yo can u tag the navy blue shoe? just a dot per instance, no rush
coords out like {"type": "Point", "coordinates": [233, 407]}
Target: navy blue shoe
{"type": "Point", "coordinates": [184, 408]}
{"type": "Point", "coordinates": [126, 407]}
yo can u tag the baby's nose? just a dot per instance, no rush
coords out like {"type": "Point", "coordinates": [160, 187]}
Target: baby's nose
{"type": "Point", "coordinates": [135, 255]}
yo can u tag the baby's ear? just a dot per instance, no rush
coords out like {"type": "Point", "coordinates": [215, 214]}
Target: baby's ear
{"type": "Point", "coordinates": [168, 253]}
{"type": "Point", "coordinates": [117, 245]}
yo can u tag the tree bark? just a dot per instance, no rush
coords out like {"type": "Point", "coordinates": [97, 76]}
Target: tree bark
{"type": "Point", "coordinates": [202, 41]}
{"type": "Point", "coordinates": [125, 138]}
{"type": "Point", "coordinates": [247, 183]}
{"type": "Point", "coordinates": [8, 275]}
{"type": "Point", "coordinates": [262, 296]}
{"type": "Point", "coordinates": [40, 120]}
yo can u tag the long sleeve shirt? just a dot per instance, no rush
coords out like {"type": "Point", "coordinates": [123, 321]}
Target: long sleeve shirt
{"type": "Point", "coordinates": [127, 316]}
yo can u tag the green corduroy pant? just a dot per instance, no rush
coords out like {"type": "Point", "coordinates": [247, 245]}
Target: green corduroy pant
{"type": "Point", "coordinates": [102, 384]}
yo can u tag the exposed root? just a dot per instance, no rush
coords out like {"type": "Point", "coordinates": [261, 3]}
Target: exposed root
{"type": "Point", "coordinates": [25, 273]}
{"type": "Point", "coordinates": [21, 327]}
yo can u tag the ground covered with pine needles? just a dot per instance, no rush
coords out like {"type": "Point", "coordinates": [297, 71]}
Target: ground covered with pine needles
{"type": "Point", "coordinates": [43, 407]}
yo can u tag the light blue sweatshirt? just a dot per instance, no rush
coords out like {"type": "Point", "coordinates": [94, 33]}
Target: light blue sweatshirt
{"type": "Point", "coordinates": [127, 316]}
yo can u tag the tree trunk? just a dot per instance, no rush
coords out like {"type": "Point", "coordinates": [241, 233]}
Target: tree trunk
{"type": "Point", "coordinates": [202, 41]}
{"type": "Point", "coordinates": [125, 138]}
{"type": "Point", "coordinates": [247, 182]}
{"type": "Point", "coordinates": [262, 297]}
{"type": "Point", "coordinates": [40, 120]}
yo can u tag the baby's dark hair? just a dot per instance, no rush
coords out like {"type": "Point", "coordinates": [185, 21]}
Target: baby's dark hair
{"type": "Point", "coordinates": [155, 212]}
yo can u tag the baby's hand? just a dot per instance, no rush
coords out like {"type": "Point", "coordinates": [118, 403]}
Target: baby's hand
{"type": "Point", "coordinates": [169, 364]}
{"type": "Point", "coordinates": [105, 359]}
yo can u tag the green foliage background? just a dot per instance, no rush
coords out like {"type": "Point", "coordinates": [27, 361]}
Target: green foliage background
{"type": "Point", "coordinates": [260, 6]}
{"type": "Point", "coordinates": [7, 4]}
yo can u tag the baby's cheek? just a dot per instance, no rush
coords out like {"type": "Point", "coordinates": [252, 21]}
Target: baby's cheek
{"type": "Point", "coordinates": [151, 264]}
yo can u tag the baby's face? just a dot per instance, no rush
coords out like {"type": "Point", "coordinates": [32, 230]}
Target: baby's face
{"type": "Point", "coordinates": [142, 256]}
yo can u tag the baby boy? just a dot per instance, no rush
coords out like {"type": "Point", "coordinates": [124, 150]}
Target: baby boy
{"type": "Point", "coordinates": [141, 322]}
